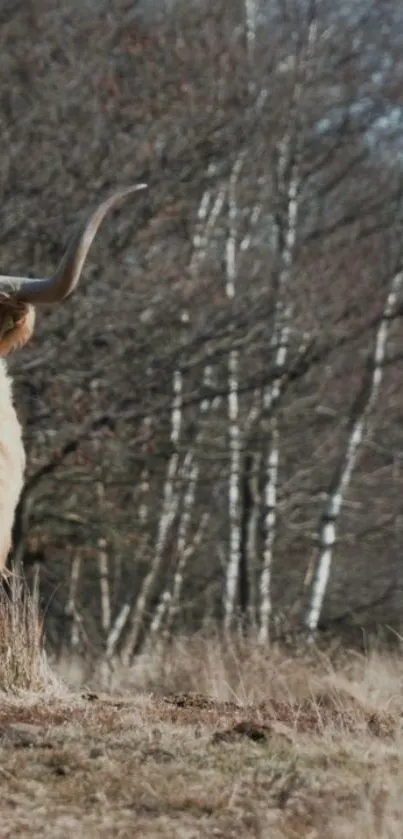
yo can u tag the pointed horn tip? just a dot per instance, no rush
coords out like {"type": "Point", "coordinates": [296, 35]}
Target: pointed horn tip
{"type": "Point", "coordinates": [125, 192]}
{"type": "Point", "coordinates": [135, 188]}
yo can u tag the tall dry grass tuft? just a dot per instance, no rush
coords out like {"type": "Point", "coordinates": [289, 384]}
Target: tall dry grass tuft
{"type": "Point", "coordinates": [23, 664]}
{"type": "Point", "coordinates": [230, 669]}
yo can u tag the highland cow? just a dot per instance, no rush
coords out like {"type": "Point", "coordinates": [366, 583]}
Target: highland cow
{"type": "Point", "coordinates": [18, 297]}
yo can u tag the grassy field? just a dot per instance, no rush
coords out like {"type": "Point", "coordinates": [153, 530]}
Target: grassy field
{"type": "Point", "coordinates": [208, 742]}
{"type": "Point", "coordinates": [199, 739]}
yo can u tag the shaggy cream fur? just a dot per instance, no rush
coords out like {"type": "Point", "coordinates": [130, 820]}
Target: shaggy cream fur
{"type": "Point", "coordinates": [15, 330]}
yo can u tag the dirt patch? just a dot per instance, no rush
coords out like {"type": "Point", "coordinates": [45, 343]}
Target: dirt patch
{"type": "Point", "coordinates": [250, 730]}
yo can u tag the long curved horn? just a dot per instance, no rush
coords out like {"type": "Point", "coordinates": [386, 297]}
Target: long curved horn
{"type": "Point", "coordinates": [63, 282]}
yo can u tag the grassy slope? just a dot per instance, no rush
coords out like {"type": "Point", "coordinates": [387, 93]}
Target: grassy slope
{"type": "Point", "coordinates": [287, 748]}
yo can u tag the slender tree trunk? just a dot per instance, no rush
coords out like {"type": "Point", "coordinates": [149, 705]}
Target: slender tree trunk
{"type": "Point", "coordinates": [362, 407]}
{"type": "Point", "coordinates": [233, 411]}
{"type": "Point", "coordinates": [288, 185]}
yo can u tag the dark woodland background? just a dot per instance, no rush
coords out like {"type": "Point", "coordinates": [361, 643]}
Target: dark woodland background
{"type": "Point", "coordinates": [125, 515]}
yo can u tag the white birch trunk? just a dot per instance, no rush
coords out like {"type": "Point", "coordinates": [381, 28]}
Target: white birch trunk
{"type": "Point", "coordinates": [363, 406]}
{"type": "Point", "coordinates": [270, 520]}
{"type": "Point", "coordinates": [252, 537]}
{"type": "Point", "coordinates": [117, 629]}
{"type": "Point", "coordinates": [280, 343]}
{"type": "Point", "coordinates": [233, 410]}
{"type": "Point", "coordinates": [104, 586]}
{"type": "Point", "coordinates": [250, 15]}
{"type": "Point", "coordinates": [143, 509]}
{"type": "Point", "coordinates": [205, 404]}
{"type": "Point", "coordinates": [169, 509]}
{"type": "Point", "coordinates": [159, 617]}
{"type": "Point", "coordinates": [207, 216]}
{"type": "Point", "coordinates": [182, 549]}
{"type": "Point", "coordinates": [289, 158]}
{"type": "Point", "coordinates": [71, 608]}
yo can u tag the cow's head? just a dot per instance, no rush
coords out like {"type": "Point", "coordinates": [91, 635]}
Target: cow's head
{"type": "Point", "coordinates": [19, 295]}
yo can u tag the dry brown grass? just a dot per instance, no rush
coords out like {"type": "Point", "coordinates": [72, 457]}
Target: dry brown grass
{"type": "Point", "coordinates": [211, 742]}
{"type": "Point", "coordinates": [23, 664]}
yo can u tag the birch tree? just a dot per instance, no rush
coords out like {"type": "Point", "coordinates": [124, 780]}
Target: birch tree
{"type": "Point", "coordinates": [288, 185]}
{"type": "Point", "coordinates": [233, 408]}
{"type": "Point", "coordinates": [358, 424]}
